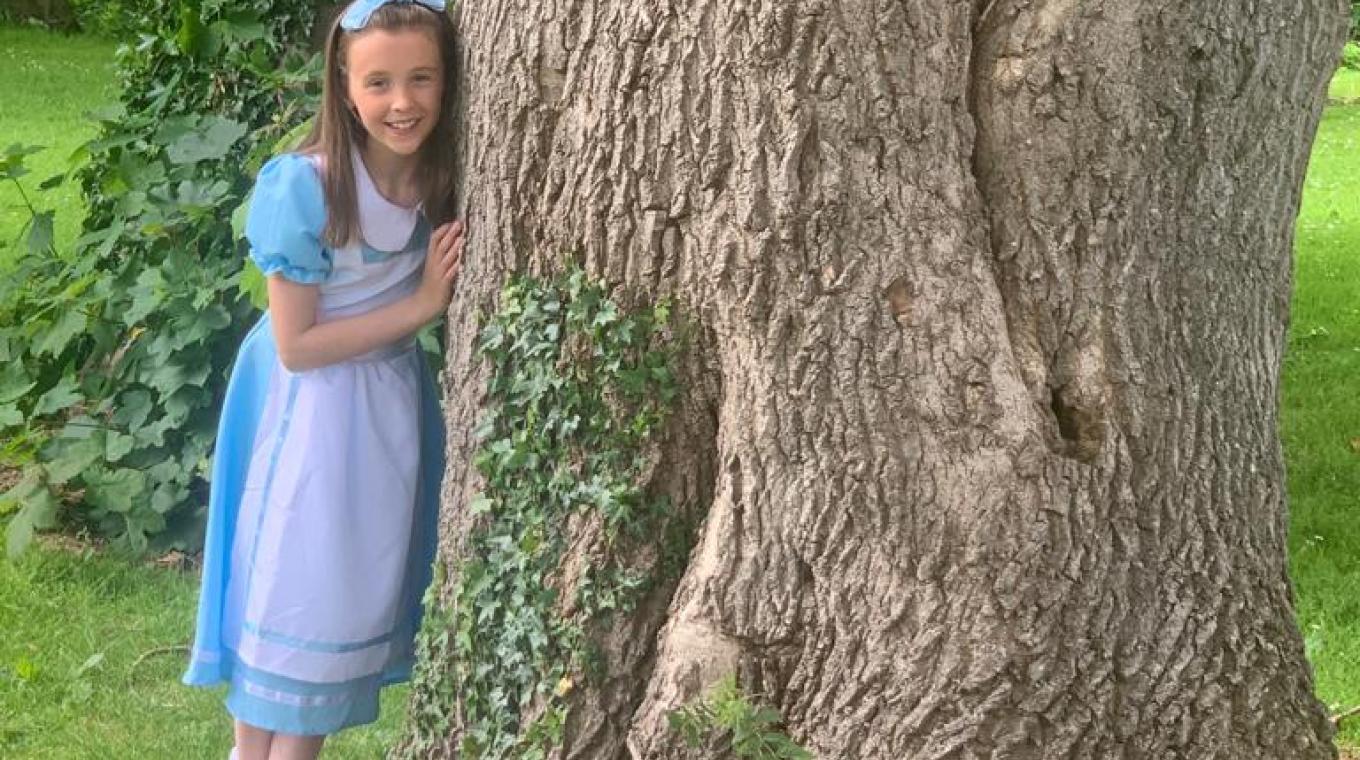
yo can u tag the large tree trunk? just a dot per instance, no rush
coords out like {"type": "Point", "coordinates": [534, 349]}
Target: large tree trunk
{"type": "Point", "coordinates": [980, 427]}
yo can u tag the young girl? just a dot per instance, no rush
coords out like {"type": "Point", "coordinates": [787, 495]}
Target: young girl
{"type": "Point", "coordinates": [325, 481]}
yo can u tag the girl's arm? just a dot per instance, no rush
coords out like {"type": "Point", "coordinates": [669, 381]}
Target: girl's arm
{"type": "Point", "coordinates": [303, 344]}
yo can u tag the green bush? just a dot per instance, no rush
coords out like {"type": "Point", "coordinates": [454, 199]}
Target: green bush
{"type": "Point", "coordinates": [53, 14]}
{"type": "Point", "coordinates": [114, 19]}
{"type": "Point", "coordinates": [113, 355]}
{"type": "Point", "coordinates": [1350, 56]}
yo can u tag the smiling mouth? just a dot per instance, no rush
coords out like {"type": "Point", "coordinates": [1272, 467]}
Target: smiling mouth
{"type": "Point", "coordinates": [402, 125]}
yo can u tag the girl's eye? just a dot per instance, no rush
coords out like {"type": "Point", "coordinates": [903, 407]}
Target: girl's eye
{"type": "Point", "coordinates": [376, 83]}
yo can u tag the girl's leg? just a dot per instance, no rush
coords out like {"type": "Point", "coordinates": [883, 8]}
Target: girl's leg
{"type": "Point", "coordinates": [289, 747]}
{"type": "Point", "coordinates": [252, 743]}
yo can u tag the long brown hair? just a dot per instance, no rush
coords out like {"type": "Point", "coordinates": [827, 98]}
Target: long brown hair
{"type": "Point", "coordinates": [337, 128]}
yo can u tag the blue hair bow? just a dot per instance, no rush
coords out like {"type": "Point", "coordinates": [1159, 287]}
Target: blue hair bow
{"type": "Point", "coordinates": [359, 12]}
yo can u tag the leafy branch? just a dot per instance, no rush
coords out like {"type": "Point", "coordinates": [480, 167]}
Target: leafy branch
{"type": "Point", "coordinates": [725, 720]}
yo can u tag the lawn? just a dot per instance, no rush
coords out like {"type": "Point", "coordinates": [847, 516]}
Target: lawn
{"type": "Point", "coordinates": [1345, 87]}
{"type": "Point", "coordinates": [90, 661]}
{"type": "Point", "coordinates": [1321, 413]}
{"type": "Point", "coordinates": [49, 81]}
{"type": "Point", "coordinates": [90, 651]}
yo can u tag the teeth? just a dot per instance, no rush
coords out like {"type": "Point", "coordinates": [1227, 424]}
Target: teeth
{"type": "Point", "coordinates": [402, 124]}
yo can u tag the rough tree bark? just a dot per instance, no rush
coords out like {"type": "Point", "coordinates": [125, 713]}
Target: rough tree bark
{"type": "Point", "coordinates": [981, 424]}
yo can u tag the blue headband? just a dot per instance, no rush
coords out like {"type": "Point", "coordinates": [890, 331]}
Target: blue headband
{"type": "Point", "coordinates": [360, 11]}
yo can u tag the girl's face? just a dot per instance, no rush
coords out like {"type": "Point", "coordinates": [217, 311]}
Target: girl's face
{"type": "Point", "coordinates": [395, 81]}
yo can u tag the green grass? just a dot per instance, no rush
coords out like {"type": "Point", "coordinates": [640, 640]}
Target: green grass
{"type": "Point", "coordinates": [1345, 87]}
{"type": "Point", "coordinates": [1321, 413]}
{"type": "Point", "coordinates": [74, 681]}
{"type": "Point", "coordinates": [47, 81]}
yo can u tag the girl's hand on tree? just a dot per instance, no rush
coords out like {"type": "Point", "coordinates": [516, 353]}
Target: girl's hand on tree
{"type": "Point", "coordinates": [443, 260]}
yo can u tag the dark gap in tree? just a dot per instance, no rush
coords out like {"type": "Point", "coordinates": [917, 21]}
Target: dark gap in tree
{"type": "Point", "coordinates": [1067, 419]}
{"type": "Point", "coordinates": [1078, 427]}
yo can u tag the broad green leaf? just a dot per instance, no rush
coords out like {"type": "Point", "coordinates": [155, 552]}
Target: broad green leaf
{"type": "Point", "coordinates": [18, 535]}
{"type": "Point", "coordinates": [60, 396]}
{"type": "Point", "coordinates": [239, 27]}
{"type": "Point", "coordinates": [28, 485]}
{"type": "Point", "coordinates": [147, 295]}
{"type": "Point", "coordinates": [152, 434]}
{"type": "Point", "coordinates": [294, 137]}
{"type": "Point", "coordinates": [133, 407]}
{"type": "Point", "coordinates": [100, 243]}
{"type": "Point", "coordinates": [117, 445]}
{"type": "Point", "coordinates": [254, 285]}
{"type": "Point", "coordinates": [10, 416]}
{"type": "Point", "coordinates": [12, 160]}
{"type": "Point", "coordinates": [199, 196]}
{"type": "Point", "coordinates": [140, 523]}
{"type": "Point", "coordinates": [73, 458]}
{"type": "Point", "coordinates": [191, 34]}
{"type": "Point", "coordinates": [238, 217]}
{"type": "Point", "coordinates": [116, 490]}
{"type": "Point", "coordinates": [164, 498]}
{"type": "Point", "coordinates": [14, 381]}
{"type": "Point", "coordinates": [37, 512]}
{"type": "Point", "coordinates": [40, 233]}
{"type": "Point", "coordinates": [212, 140]}
{"type": "Point", "coordinates": [179, 405]}
{"type": "Point", "coordinates": [170, 376]}
{"type": "Point", "coordinates": [55, 339]}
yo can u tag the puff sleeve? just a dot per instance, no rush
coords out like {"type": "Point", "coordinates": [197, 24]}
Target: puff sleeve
{"type": "Point", "coordinates": [285, 220]}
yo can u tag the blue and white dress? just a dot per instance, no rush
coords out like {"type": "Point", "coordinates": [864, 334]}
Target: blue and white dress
{"type": "Point", "coordinates": [322, 515]}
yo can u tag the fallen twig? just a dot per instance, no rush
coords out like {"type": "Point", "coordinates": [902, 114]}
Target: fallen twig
{"type": "Point", "coordinates": [1336, 719]}
{"type": "Point", "coordinates": [153, 652]}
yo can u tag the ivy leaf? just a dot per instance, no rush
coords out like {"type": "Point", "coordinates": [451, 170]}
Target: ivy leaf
{"type": "Point", "coordinates": [58, 336]}
{"type": "Point", "coordinates": [212, 140]}
{"type": "Point", "coordinates": [40, 232]}
{"type": "Point", "coordinates": [60, 396]}
{"type": "Point", "coordinates": [480, 505]}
